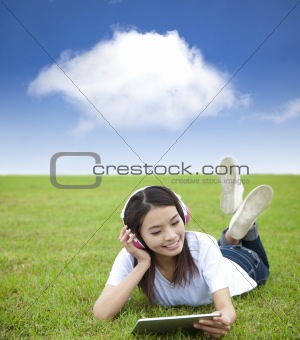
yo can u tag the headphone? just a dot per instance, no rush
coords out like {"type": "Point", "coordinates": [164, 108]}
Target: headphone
{"type": "Point", "coordinates": [184, 208]}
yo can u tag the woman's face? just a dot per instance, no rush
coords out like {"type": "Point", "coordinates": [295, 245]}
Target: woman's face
{"type": "Point", "coordinates": [163, 231]}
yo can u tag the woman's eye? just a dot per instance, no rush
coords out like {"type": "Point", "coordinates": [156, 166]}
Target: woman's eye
{"type": "Point", "coordinates": [155, 233]}
{"type": "Point", "coordinates": [176, 222]}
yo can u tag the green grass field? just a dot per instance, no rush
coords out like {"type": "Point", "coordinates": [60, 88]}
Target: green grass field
{"type": "Point", "coordinates": [57, 247]}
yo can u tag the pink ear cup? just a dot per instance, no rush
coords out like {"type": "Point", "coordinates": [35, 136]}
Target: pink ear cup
{"type": "Point", "coordinates": [188, 216]}
{"type": "Point", "coordinates": [136, 242]}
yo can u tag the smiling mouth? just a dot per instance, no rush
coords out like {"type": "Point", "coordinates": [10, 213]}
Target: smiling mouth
{"type": "Point", "coordinates": [172, 245]}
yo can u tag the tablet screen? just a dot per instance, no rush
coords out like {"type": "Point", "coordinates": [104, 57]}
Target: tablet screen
{"type": "Point", "coordinates": [169, 324]}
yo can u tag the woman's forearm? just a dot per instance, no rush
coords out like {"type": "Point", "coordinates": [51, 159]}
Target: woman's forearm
{"type": "Point", "coordinates": [113, 298]}
{"type": "Point", "coordinates": [223, 304]}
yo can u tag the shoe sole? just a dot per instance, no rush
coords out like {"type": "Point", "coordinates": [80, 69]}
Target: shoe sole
{"type": "Point", "coordinates": [232, 188]}
{"type": "Point", "coordinates": [254, 204]}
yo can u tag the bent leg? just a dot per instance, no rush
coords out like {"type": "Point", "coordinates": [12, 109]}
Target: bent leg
{"type": "Point", "coordinates": [251, 241]}
{"type": "Point", "coordinates": [248, 254]}
{"type": "Point", "coordinates": [248, 260]}
{"type": "Point", "coordinates": [258, 247]}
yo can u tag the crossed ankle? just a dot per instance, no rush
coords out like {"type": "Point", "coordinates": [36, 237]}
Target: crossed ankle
{"type": "Point", "coordinates": [231, 240]}
{"type": "Point", "coordinates": [252, 233]}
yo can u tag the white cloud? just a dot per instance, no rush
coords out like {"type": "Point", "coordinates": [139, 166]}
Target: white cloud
{"type": "Point", "coordinates": [139, 79]}
{"type": "Point", "coordinates": [289, 111]}
{"type": "Point", "coordinates": [113, 2]}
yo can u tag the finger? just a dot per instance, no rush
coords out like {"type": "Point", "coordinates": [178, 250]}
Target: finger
{"type": "Point", "coordinates": [127, 241]}
{"type": "Point", "coordinates": [125, 236]}
{"type": "Point", "coordinates": [219, 312]}
{"type": "Point", "coordinates": [130, 237]}
{"type": "Point", "coordinates": [225, 320]}
{"type": "Point", "coordinates": [214, 324]}
{"type": "Point", "coordinates": [208, 322]}
{"type": "Point", "coordinates": [215, 332]}
{"type": "Point", "coordinates": [123, 230]}
{"type": "Point", "coordinates": [215, 321]}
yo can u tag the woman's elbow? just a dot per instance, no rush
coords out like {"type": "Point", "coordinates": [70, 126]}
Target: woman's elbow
{"type": "Point", "coordinates": [102, 313]}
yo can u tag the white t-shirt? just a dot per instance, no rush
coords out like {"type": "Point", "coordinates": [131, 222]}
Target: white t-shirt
{"type": "Point", "coordinates": [215, 273]}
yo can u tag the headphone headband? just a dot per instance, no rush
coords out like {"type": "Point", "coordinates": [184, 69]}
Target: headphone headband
{"type": "Point", "coordinates": [183, 206]}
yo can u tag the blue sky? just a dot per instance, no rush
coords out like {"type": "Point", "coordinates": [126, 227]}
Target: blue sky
{"type": "Point", "coordinates": [150, 68]}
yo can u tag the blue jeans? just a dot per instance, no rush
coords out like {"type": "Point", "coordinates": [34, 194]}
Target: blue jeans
{"type": "Point", "coordinates": [250, 255]}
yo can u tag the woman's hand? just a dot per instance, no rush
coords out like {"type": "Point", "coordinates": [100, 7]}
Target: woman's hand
{"type": "Point", "coordinates": [141, 255]}
{"type": "Point", "coordinates": [217, 327]}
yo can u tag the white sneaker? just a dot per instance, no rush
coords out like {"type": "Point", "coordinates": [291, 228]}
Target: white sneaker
{"type": "Point", "coordinates": [232, 187]}
{"type": "Point", "coordinates": [256, 202]}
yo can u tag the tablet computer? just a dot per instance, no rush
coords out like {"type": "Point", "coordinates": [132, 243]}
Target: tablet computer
{"type": "Point", "coordinates": [169, 324]}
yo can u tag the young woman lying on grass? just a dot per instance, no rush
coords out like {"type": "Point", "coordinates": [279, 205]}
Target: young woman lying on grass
{"type": "Point", "coordinates": [179, 267]}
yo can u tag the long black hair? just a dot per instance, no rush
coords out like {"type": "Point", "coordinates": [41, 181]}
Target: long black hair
{"type": "Point", "coordinates": [136, 209]}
